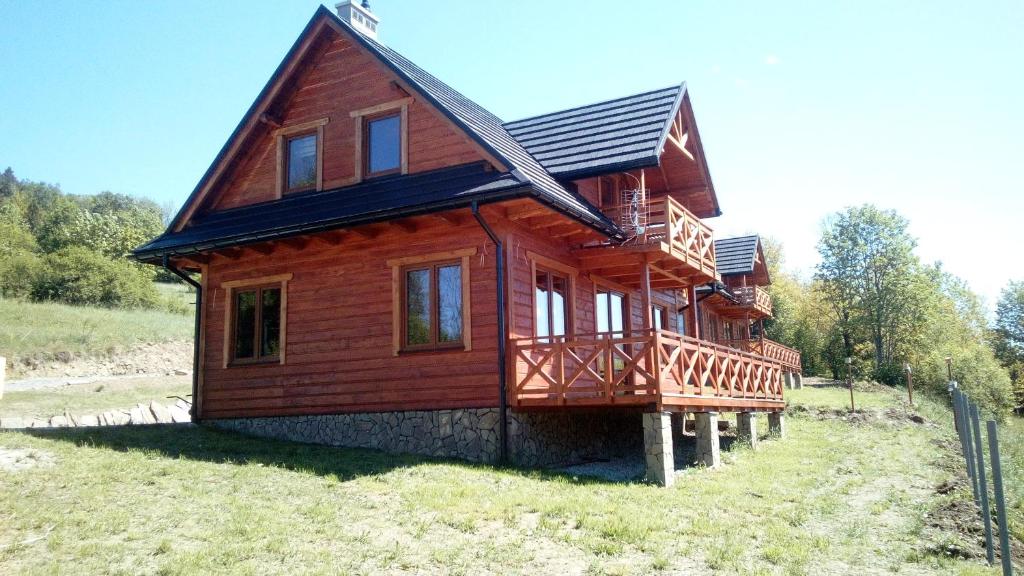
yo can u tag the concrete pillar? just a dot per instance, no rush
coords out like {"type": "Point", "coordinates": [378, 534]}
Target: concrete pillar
{"type": "Point", "coordinates": [746, 428]}
{"type": "Point", "coordinates": [708, 451]}
{"type": "Point", "coordinates": [788, 377]}
{"type": "Point", "coordinates": [658, 453]}
{"type": "Point", "coordinates": [776, 424]}
{"type": "Point", "coordinates": [798, 379]}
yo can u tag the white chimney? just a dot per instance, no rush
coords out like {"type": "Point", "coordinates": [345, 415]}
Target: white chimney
{"type": "Point", "coordinates": [359, 17]}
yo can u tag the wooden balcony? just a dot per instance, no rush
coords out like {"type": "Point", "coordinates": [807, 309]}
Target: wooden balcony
{"type": "Point", "coordinates": [656, 369]}
{"type": "Point", "coordinates": [788, 357]}
{"type": "Point", "coordinates": [753, 302]}
{"type": "Point", "coordinates": [676, 245]}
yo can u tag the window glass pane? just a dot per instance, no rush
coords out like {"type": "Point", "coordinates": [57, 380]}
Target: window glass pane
{"type": "Point", "coordinates": [245, 324]}
{"type": "Point", "coordinates": [541, 320]}
{"type": "Point", "coordinates": [602, 312]}
{"type": "Point", "coordinates": [302, 162]}
{"type": "Point", "coordinates": [559, 310]}
{"type": "Point", "coordinates": [270, 322]}
{"type": "Point", "coordinates": [384, 141]}
{"type": "Point", "coordinates": [417, 302]}
{"type": "Point", "coordinates": [681, 324]}
{"type": "Point", "coordinates": [449, 288]}
{"type": "Point", "coordinates": [657, 317]}
{"type": "Point", "coordinates": [618, 316]}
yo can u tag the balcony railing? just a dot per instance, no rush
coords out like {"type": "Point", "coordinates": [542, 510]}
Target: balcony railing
{"type": "Point", "coordinates": [754, 297]}
{"type": "Point", "coordinates": [653, 367]}
{"type": "Point", "coordinates": [788, 357]}
{"type": "Point", "coordinates": [690, 239]}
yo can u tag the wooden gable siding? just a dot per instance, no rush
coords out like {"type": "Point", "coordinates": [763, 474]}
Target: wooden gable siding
{"type": "Point", "coordinates": [341, 78]}
{"type": "Point", "coordinates": [339, 355]}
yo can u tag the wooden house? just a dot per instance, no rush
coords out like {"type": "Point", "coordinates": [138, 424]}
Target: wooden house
{"type": "Point", "coordinates": [385, 263]}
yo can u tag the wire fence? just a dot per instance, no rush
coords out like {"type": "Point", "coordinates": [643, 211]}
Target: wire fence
{"type": "Point", "coordinates": [967, 421]}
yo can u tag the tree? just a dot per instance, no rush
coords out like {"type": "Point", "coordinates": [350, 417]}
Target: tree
{"type": "Point", "coordinates": [1008, 336]}
{"type": "Point", "coordinates": [8, 184]}
{"type": "Point", "coordinates": [871, 278]}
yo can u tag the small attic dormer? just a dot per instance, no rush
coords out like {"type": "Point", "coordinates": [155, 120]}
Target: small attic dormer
{"type": "Point", "coordinates": [359, 17]}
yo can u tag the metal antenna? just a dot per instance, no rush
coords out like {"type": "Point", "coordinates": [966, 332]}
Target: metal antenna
{"type": "Point", "coordinates": [366, 4]}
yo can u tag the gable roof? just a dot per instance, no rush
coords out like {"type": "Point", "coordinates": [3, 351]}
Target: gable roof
{"type": "Point", "coordinates": [736, 255]}
{"type": "Point", "coordinates": [371, 201]}
{"type": "Point", "coordinates": [610, 136]}
{"type": "Point", "coordinates": [476, 122]}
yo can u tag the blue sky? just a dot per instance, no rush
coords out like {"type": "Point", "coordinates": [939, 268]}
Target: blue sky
{"type": "Point", "coordinates": [803, 107]}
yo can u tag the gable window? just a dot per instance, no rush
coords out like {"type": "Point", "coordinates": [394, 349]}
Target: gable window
{"type": "Point", "coordinates": [300, 157]}
{"type": "Point", "coordinates": [382, 139]}
{"type": "Point", "coordinates": [255, 320]}
{"type": "Point", "coordinates": [301, 163]}
{"type": "Point", "coordinates": [431, 298]}
{"type": "Point", "coordinates": [383, 145]}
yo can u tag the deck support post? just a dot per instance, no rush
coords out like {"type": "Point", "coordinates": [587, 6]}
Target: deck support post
{"type": "Point", "coordinates": [708, 448]}
{"type": "Point", "coordinates": [788, 376]}
{"type": "Point", "coordinates": [776, 424]}
{"type": "Point", "coordinates": [658, 454]}
{"type": "Point", "coordinates": [746, 428]}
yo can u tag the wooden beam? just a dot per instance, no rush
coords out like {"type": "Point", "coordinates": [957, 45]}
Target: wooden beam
{"type": "Point", "coordinates": [333, 237]}
{"type": "Point", "coordinates": [449, 218]}
{"type": "Point", "coordinates": [232, 253]}
{"type": "Point", "coordinates": [404, 225]}
{"type": "Point", "coordinates": [263, 248]}
{"type": "Point", "coordinates": [645, 294]}
{"type": "Point", "coordinates": [297, 243]}
{"type": "Point", "coordinates": [367, 232]}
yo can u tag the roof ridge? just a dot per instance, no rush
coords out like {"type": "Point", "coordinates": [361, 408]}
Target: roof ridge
{"type": "Point", "coordinates": [593, 104]}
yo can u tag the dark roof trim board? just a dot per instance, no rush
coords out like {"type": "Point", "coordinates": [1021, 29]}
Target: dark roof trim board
{"type": "Point", "coordinates": [369, 202]}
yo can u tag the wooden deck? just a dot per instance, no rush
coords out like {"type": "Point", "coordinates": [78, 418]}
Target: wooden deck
{"type": "Point", "coordinates": [676, 246]}
{"type": "Point", "coordinates": [657, 369]}
{"type": "Point", "coordinates": [788, 357]}
{"type": "Point", "coordinates": [752, 299]}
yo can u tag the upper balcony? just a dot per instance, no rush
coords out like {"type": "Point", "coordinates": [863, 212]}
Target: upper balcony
{"type": "Point", "coordinates": [752, 300]}
{"type": "Point", "coordinates": [677, 247]}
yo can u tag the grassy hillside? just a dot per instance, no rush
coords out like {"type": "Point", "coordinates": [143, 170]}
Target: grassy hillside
{"type": "Point", "coordinates": [839, 496]}
{"type": "Point", "coordinates": [47, 329]}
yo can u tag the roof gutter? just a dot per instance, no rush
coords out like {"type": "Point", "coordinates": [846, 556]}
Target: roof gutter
{"type": "Point", "coordinates": [195, 340]}
{"type": "Point", "coordinates": [499, 269]}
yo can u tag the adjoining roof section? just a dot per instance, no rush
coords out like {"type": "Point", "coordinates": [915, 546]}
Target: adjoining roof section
{"type": "Point", "coordinates": [739, 255]}
{"type": "Point", "coordinates": [371, 201]}
{"type": "Point", "coordinates": [611, 136]}
{"type": "Point", "coordinates": [478, 124]}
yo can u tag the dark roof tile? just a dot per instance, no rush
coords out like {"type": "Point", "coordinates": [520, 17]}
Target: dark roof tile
{"type": "Point", "coordinates": [736, 255]}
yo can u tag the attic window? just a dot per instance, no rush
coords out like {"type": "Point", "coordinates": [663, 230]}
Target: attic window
{"type": "Point", "coordinates": [302, 163]}
{"type": "Point", "coordinates": [383, 145]}
{"type": "Point", "coordinates": [300, 157]}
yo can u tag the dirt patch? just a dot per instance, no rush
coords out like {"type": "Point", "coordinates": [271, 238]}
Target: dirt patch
{"type": "Point", "coordinates": [15, 459]}
{"type": "Point", "coordinates": [150, 358]}
{"type": "Point", "coordinates": [884, 416]}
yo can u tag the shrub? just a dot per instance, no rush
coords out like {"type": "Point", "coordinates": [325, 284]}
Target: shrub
{"type": "Point", "coordinates": [79, 276]}
{"type": "Point", "coordinates": [18, 271]}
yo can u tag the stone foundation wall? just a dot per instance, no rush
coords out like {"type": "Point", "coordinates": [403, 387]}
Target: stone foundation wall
{"type": "Point", "coordinates": [535, 439]}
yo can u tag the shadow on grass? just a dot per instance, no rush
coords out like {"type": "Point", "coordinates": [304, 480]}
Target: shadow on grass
{"type": "Point", "coordinates": [205, 444]}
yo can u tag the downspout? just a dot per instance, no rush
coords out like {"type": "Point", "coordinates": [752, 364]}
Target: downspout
{"type": "Point", "coordinates": [195, 343]}
{"type": "Point", "coordinates": [499, 266]}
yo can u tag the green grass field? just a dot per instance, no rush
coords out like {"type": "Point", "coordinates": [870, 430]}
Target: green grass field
{"type": "Point", "coordinates": [835, 497]}
{"type": "Point", "coordinates": [46, 329]}
{"type": "Point", "coordinates": [85, 399]}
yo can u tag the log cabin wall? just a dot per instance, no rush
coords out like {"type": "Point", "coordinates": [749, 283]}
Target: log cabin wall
{"type": "Point", "coordinates": [522, 243]}
{"type": "Point", "coordinates": [339, 335]}
{"type": "Point", "coordinates": [341, 78]}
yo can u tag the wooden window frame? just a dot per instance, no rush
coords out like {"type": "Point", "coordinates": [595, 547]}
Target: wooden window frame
{"type": "Point", "coordinates": [367, 120]}
{"type": "Point", "coordinates": [361, 117]}
{"type": "Point", "coordinates": [538, 261]}
{"type": "Point", "coordinates": [286, 134]}
{"type": "Point", "coordinates": [399, 267]}
{"type": "Point", "coordinates": [626, 307]}
{"type": "Point", "coordinates": [231, 288]}
{"type": "Point", "coordinates": [600, 283]}
{"type": "Point", "coordinates": [660, 311]}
